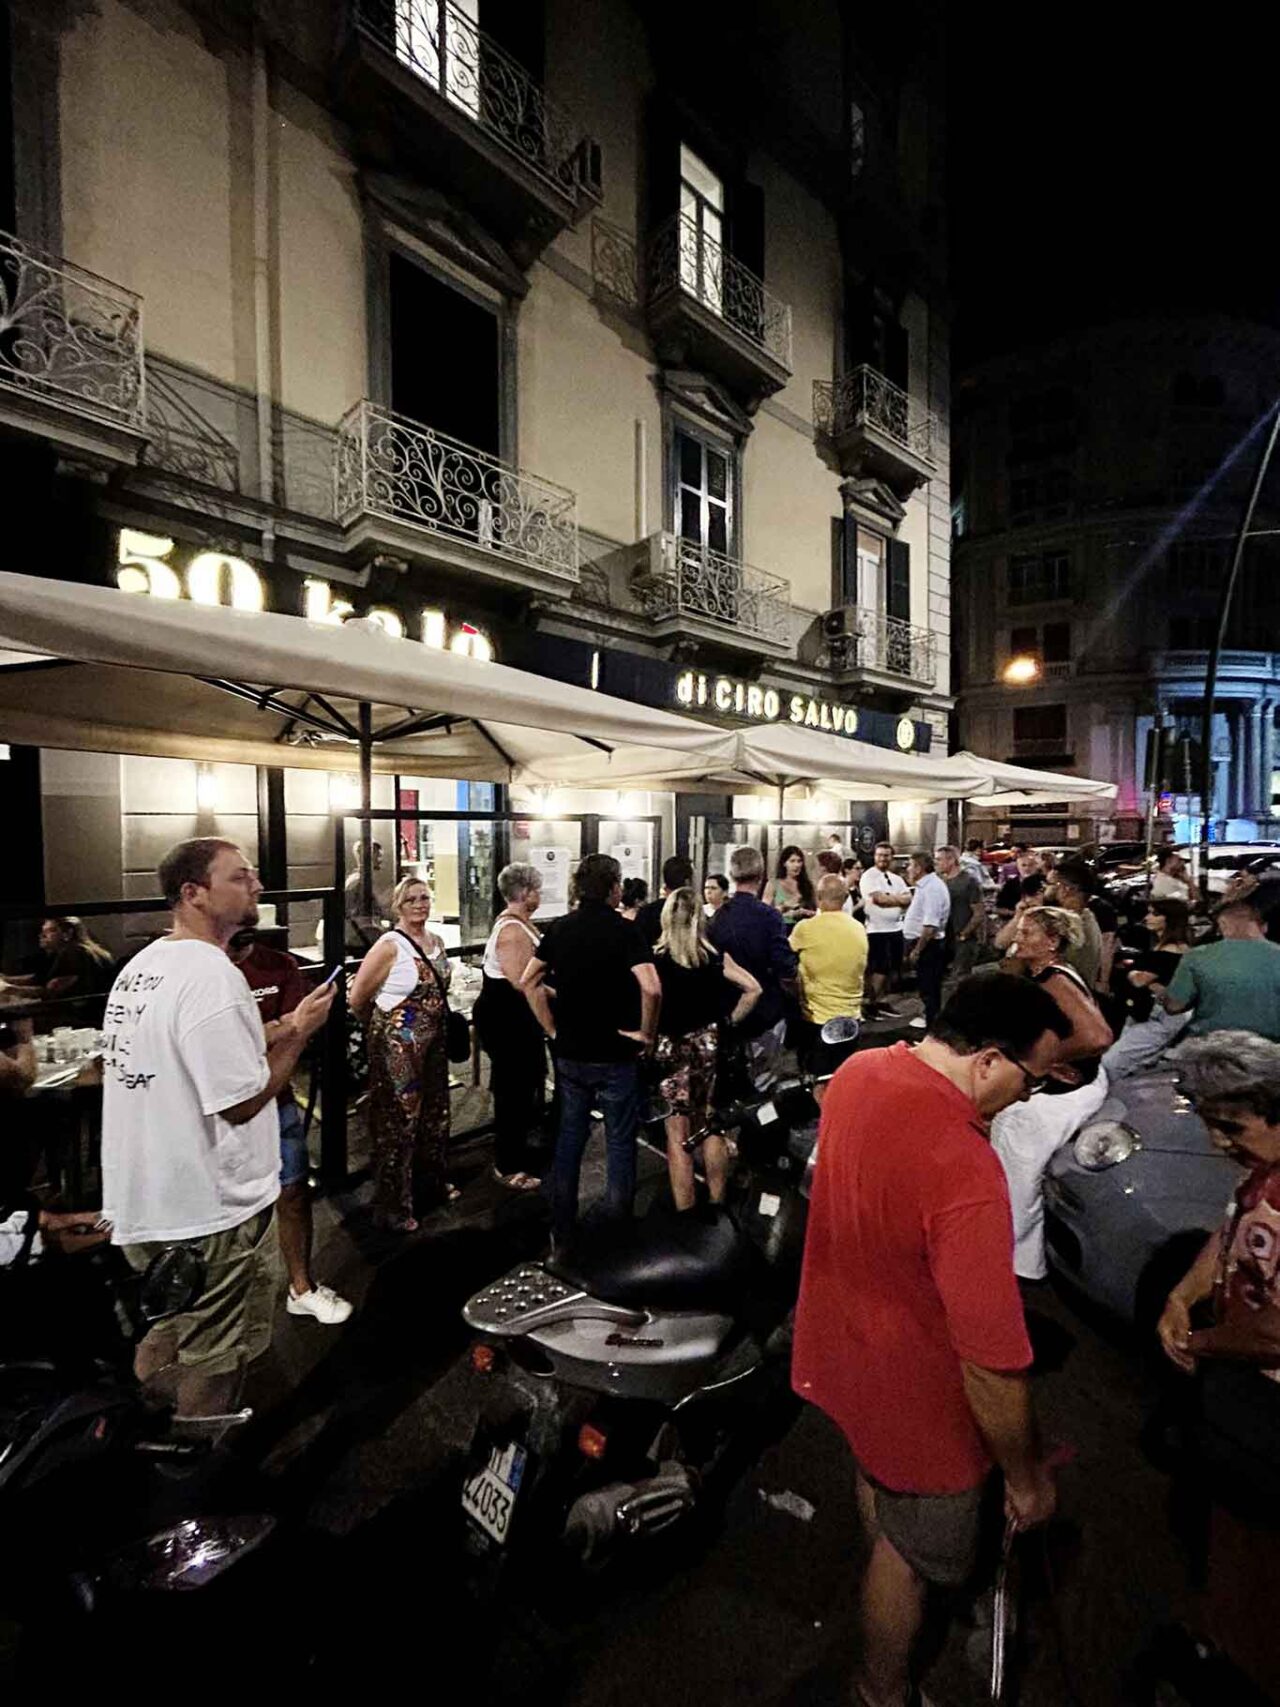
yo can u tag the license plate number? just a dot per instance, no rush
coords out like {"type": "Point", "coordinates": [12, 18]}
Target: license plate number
{"type": "Point", "coordinates": [489, 1496]}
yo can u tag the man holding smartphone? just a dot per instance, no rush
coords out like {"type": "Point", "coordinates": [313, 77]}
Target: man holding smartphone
{"type": "Point", "coordinates": [190, 1133]}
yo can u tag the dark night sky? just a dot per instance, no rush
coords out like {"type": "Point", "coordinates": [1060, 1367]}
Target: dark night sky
{"type": "Point", "coordinates": [1105, 161]}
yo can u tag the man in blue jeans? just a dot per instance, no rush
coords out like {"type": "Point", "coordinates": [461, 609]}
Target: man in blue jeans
{"type": "Point", "coordinates": [602, 1017]}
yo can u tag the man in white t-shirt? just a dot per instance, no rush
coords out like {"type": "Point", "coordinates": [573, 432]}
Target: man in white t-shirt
{"type": "Point", "coordinates": [924, 933]}
{"type": "Point", "coordinates": [190, 1137]}
{"type": "Point", "coordinates": [885, 897]}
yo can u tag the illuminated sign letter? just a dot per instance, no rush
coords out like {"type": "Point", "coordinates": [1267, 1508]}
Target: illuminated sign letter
{"type": "Point", "coordinates": [684, 687]}
{"type": "Point", "coordinates": [469, 642]}
{"type": "Point", "coordinates": [388, 620]}
{"type": "Point", "coordinates": [772, 705]}
{"type": "Point", "coordinates": [755, 702]}
{"type": "Point", "coordinates": [319, 604]}
{"type": "Point", "coordinates": [212, 575]}
{"type": "Point", "coordinates": [141, 569]}
{"type": "Point", "coordinates": [724, 693]}
{"type": "Point", "coordinates": [797, 708]}
{"type": "Point", "coordinates": [433, 629]}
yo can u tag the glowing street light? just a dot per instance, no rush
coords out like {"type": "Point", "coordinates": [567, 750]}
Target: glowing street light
{"type": "Point", "coordinates": [1021, 670]}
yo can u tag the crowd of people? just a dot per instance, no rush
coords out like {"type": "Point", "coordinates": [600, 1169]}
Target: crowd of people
{"type": "Point", "coordinates": [927, 1210]}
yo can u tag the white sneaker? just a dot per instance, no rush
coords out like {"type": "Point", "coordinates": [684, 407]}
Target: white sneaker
{"type": "Point", "coordinates": [918, 1023]}
{"type": "Point", "coordinates": [322, 1302]}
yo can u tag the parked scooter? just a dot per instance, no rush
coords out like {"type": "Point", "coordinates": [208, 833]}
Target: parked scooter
{"type": "Point", "coordinates": [87, 1467]}
{"type": "Point", "coordinates": [629, 1375]}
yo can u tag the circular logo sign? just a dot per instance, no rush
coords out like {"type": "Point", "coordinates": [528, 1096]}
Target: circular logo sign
{"type": "Point", "coordinates": [906, 734]}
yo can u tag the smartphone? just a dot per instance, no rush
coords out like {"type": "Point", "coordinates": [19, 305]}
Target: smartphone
{"type": "Point", "coordinates": [324, 984]}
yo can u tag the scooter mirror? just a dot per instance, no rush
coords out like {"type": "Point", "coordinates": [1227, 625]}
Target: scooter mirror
{"type": "Point", "coordinates": [173, 1280]}
{"type": "Point", "coordinates": [840, 1031]}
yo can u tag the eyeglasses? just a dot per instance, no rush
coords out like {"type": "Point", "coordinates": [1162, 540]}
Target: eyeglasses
{"type": "Point", "coordinates": [1035, 1081]}
{"type": "Point", "coordinates": [1216, 1123]}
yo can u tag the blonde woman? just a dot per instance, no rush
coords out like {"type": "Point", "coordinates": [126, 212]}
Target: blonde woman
{"type": "Point", "coordinates": [698, 989]}
{"type": "Point", "coordinates": [1025, 1135]}
{"type": "Point", "coordinates": [401, 986]}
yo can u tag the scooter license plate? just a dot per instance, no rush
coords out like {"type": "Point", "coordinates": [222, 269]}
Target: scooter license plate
{"type": "Point", "coordinates": [489, 1496]}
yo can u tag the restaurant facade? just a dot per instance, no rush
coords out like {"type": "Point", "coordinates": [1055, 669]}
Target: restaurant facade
{"type": "Point", "coordinates": [503, 330]}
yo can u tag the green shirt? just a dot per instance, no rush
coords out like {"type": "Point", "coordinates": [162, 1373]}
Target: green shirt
{"type": "Point", "coordinates": [1087, 959]}
{"type": "Point", "coordinates": [1232, 986]}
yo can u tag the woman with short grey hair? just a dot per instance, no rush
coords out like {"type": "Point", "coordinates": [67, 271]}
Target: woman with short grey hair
{"type": "Point", "coordinates": [511, 1036]}
{"type": "Point", "coordinates": [1233, 1079]}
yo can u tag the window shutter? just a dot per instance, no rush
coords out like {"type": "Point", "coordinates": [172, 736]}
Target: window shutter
{"type": "Point", "coordinates": [747, 230]}
{"type": "Point", "coordinates": [662, 165]}
{"type": "Point", "coordinates": [896, 354]}
{"type": "Point", "coordinates": [898, 581]}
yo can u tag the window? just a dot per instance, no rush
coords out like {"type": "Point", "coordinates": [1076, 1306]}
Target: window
{"type": "Point", "coordinates": [1023, 640]}
{"type": "Point", "coordinates": [442, 44]}
{"type": "Point", "coordinates": [1041, 725]}
{"type": "Point", "coordinates": [1037, 579]}
{"type": "Point", "coordinates": [701, 231]}
{"type": "Point", "coordinates": [1057, 643]}
{"type": "Point", "coordinates": [871, 567]}
{"type": "Point", "coordinates": [703, 493]}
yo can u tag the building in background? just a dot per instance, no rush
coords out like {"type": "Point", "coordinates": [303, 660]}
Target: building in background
{"type": "Point", "coordinates": [607, 339]}
{"type": "Point", "coordinates": [1099, 486]}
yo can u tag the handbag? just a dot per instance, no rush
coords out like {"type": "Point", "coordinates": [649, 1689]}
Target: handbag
{"type": "Point", "coordinates": [457, 1027]}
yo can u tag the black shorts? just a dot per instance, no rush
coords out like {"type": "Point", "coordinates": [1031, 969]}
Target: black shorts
{"type": "Point", "coordinates": [884, 951]}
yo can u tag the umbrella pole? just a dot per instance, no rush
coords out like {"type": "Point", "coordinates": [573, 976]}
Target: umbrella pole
{"type": "Point", "coordinates": [366, 806]}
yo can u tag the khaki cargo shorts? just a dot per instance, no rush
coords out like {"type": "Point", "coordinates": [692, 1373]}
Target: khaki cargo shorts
{"type": "Point", "coordinates": [230, 1322]}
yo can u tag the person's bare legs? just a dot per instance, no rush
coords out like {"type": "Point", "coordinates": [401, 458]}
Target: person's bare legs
{"type": "Point", "coordinates": [715, 1164]}
{"type": "Point", "coordinates": [293, 1217]}
{"type": "Point", "coordinates": [891, 1611]}
{"type": "Point", "coordinates": [679, 1161]}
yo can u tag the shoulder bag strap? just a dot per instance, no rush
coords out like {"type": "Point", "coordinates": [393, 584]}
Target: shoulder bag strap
{"type": "Point", "coordinates": [428, 963]}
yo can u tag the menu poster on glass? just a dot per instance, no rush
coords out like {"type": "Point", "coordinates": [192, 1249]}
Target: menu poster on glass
{"type": "Point", "coordinates": [633, 857]}
{"type": "Point", "coordinates": [553, 865]}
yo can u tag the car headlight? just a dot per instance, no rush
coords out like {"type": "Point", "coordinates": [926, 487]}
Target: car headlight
{"type": "Point", "coordinates": [1104, 1143]}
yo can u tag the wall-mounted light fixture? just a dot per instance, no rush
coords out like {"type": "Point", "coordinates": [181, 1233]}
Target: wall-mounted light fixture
{"type": "Point", "coordinates": [1019, 671]}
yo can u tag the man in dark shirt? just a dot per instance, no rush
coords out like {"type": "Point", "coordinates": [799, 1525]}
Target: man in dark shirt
{"type": "Point", "coordinates": [1028, 883]}
{"type": "Point", "coordinates": [756, 937]}
{"type": "Point", "coordinates": [603, 1017]}
{"type": "Point", "coordinates": [677, 873]}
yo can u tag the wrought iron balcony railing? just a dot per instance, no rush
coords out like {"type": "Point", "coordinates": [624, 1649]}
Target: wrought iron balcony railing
{"type": "Point", "coordinates": [869, 640]}
{"type": "Point", "coordinates": [69, 335]}
{"type": "Point", "coordinates": [683, 578]}
{"type": "Point", "coordinates": [682, 257]}
{"type": "Point", "coordinates": [863, 398]}
{"type": "Point", "coordinates": [392, 467]}
{"type": "Point", "coordinates": [440, 42]}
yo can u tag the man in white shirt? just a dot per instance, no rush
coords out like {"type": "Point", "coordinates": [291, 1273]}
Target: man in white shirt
{"type": "Point", "coordinates": [924, 933]}
{"type": "Point", "coordinates": [885, 897]}
{"type": "Point", "coordinates": [190, 1138]}
{"type": "Point", "coordinates": [1171, 881]}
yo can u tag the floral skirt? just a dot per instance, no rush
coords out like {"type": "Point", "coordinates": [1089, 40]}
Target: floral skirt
{"type": "Point", "coordinates": [409, 1103]}
{"type": "Point", "coordinates": [687, 1066]}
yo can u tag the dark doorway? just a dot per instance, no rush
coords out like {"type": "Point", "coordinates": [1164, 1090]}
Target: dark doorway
{"type": "Point", "coordinates": [445, 357]}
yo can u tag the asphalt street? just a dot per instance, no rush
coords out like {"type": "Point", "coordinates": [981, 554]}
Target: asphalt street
{"type": "Point", "coordinates": [360, 1436]}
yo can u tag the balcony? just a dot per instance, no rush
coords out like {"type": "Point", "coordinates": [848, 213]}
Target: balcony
{"type": "Point", "coordinates": [1042, 752]}
{"type": "Point", "coordinates": [869, 649]}
{"type": "Point", "coordinates": [71, 361]}
{"type": "Point", "coordinates": [875, 429]}
{"type": "Point", "coordinates": [707, 310]}
{"type": "Point", "coordinates": [405, 489]}
{"type": "Point", "coordinates": [469, 116]}
{"type": "Point", "coordinates": [691, 593]}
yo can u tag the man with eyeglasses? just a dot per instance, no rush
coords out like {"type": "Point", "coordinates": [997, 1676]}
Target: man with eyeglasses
{"type": "Point", "coordinates": [909, 1329]}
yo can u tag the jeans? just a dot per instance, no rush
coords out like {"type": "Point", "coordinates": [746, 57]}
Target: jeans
{"type": "Point", "coordinates": [614, 1087]}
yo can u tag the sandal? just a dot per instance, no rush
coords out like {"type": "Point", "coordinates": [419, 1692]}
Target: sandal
{"type": "Point", "coordinates": [519, 1181]}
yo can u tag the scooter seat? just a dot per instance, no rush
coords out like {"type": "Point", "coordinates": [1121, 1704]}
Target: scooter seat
{"type": "Point", "coordinates": [694, 1261]}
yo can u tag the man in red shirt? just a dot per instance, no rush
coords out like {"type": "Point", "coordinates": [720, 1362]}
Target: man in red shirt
{"type": "Point", "coordinates": [277, 984]}
{"type": "Point", "coordinates": [909, 1329]}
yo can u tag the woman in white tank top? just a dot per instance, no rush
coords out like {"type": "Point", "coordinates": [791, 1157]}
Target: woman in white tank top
{"type": "Point", "coordinates": [511, 1036]}
{"type": "Point", "coordinates": [400, 987]}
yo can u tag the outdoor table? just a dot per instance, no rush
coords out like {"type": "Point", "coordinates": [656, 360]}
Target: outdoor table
{"type": "Point", "coordinates": [81, 1077]}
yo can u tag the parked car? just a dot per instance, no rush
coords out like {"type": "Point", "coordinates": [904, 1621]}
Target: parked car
{"type": "Point", "coordinates": [1131, 1197]}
